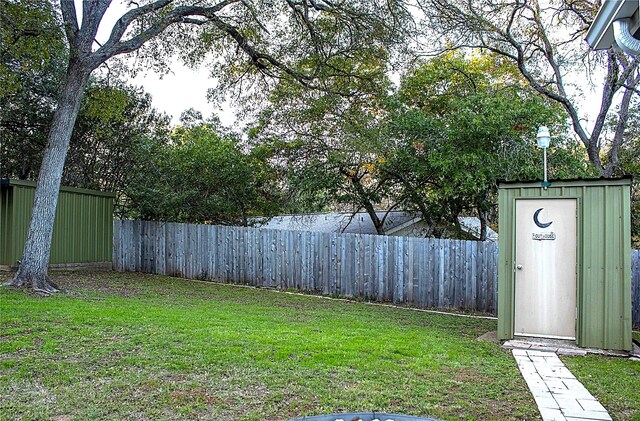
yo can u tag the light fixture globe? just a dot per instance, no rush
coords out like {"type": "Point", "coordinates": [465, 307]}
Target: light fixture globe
{"type": "Point", "coordinates": [543, 137]}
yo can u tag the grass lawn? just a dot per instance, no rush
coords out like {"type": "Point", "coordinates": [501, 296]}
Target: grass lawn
{"type": "Point", "coordinates": [615, 382]}
{"type": "Point", "coordinates": [129, 346]}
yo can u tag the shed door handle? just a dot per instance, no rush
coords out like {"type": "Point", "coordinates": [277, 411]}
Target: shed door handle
{"type": "Point", "coordinates": [519, 267]}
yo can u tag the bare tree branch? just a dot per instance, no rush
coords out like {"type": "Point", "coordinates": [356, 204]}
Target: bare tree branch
{"type": "Point", "coordinates": [92, 14]}
{"type": "Point", "coordinates": [71, 28]}
{"type": "Point", "coordinates": [182, 14]}
{"type": "Point", "coordinates": [623, 115]}
{"type": "Point", "coordinates": [123, 23]}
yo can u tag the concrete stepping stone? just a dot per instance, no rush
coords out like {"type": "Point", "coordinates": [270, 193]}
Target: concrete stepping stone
{"type": "Point", "coordinates": [558, 394]}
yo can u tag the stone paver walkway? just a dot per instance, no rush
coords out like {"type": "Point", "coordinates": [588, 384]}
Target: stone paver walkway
{"type": "Point", "coordinates": [559, 395]}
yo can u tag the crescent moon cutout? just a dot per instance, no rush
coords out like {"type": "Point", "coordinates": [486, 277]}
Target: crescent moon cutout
{"type": "Point", "coordinates": [537, 221]}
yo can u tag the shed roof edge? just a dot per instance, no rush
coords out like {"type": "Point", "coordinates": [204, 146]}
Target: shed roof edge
{"type": "Point", "coordinates": [619, 181]}
{"type": "Point", "coordinates": [32, 184]}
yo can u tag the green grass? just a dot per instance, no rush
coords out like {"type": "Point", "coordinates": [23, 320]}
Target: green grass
{"type": "Point", "coordinates": [128, 346]}
{"type": "Point", "coordinates": [615, 382]}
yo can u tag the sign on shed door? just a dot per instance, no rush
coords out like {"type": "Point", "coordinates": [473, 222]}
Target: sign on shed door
{"type": "Point", "coordinates": [545, 268]}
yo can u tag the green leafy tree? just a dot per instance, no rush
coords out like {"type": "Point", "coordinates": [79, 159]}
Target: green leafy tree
{"type": "Point", "coordinates": [545, 41]}
{"type": "Point", "coordinates": [31, 45]}
{"type": "Point", "coordinates": [286, 39]}
{"type": "Point", "coordinates": [32, 61]}
{"type": "Point", "coordinates": [325, 141]}
{"type": "Point", "coordinates": [203, 175]}
{"type": "Point", "coordinates": [437, 146]}
{"type": "Point", "coordinates": [114, 122]}
{"type": "Point", "coordinates": [460, 124]}
{"type": "Point", "coordinates": [115, 127]}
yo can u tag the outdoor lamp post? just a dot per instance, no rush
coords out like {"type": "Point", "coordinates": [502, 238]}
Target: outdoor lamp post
{"type": "Point", "coordinates": [543, 139]}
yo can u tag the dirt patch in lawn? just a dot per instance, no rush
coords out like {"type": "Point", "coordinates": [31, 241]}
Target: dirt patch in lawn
{"type": "Point", "coordinates": [491, 336]}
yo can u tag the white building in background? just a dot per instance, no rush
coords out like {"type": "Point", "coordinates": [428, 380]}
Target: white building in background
{"type": "Point", "coordinates": [398, 223]}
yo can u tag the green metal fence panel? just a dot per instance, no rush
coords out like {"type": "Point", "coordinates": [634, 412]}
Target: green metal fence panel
{"type": "Point", "coordinates": [4, 222]}
{"type": "Point", "coordinates": [604, 257]}
{"type": "Point", "coordinates": [14, 199]}
{"type": "Point", "coordinates": [82, 231]}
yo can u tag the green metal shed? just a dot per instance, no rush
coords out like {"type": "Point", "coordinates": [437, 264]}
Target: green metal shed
{"type": "Point", "coordinates": [564, 268]}
{"type": "Point", "coordinates": [82, 230]}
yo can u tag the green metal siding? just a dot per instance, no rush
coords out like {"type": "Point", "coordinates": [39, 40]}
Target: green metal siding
{"type": "Point", "coordinates": [604, 258]}
{"type": "Point", "coordinates": [15, 199]}
{"type": "Point", "coordinates": [82, 230]}
{"type": "Point", "coordinates": [5, 221]}
{"type": "Point", "coordinates": [506, 287]}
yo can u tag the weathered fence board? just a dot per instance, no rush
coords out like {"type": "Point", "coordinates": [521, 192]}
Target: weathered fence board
{"type": "Point", "coordinates": [420, 272]}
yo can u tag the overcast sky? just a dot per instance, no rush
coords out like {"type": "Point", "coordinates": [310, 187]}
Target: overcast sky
{"type": "Point", "coordinates": [182, 89]}
{"type": "Point", "coordinates": [173, 93]}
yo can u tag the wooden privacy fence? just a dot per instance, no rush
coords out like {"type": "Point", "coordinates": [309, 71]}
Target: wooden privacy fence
{"type": "Point", "coordinates": [421, 272]}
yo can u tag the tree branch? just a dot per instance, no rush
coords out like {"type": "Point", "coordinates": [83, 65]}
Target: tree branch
{"type": "Point", "coordinates": [92, 13]}
{"type": "Point", "coordinates": [123, 23]}
{"type": "Point", "coordinates": [259, 59]}
{"type": "Point", "coordinates": [182, 14]}
{"type": "Point", "coordinates": [608, 92]}
{"type": "Point", "coordinates": [70, 19]}
{"type": "Point", "coordinates": [618, 137]}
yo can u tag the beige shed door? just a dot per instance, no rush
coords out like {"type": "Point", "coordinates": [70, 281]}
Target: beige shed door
{"type": "Point", "coordinates": [545, 268]}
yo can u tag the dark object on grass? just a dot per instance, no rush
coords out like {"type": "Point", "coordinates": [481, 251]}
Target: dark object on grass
{"type": "Point", "coordinates": [363, 416]}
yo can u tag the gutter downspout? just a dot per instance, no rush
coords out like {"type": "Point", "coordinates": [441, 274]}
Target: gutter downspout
{"type": "Point", "coordinates": [622, 33]}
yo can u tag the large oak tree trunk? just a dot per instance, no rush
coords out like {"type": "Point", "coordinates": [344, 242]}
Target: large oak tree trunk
{"type": "Point", "coordinates": [32, 270]}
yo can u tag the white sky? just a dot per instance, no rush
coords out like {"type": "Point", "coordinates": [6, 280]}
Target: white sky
{"type": "Point", "coordinates": [172, 93]}
{"type": "Point", "coordinates": [184, 88]}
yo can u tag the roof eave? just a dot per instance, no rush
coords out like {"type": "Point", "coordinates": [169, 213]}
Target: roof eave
{"type": "Point", "coordinates": [410, 222]}
{"type": "Point", "coordinates": [600, 35]}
